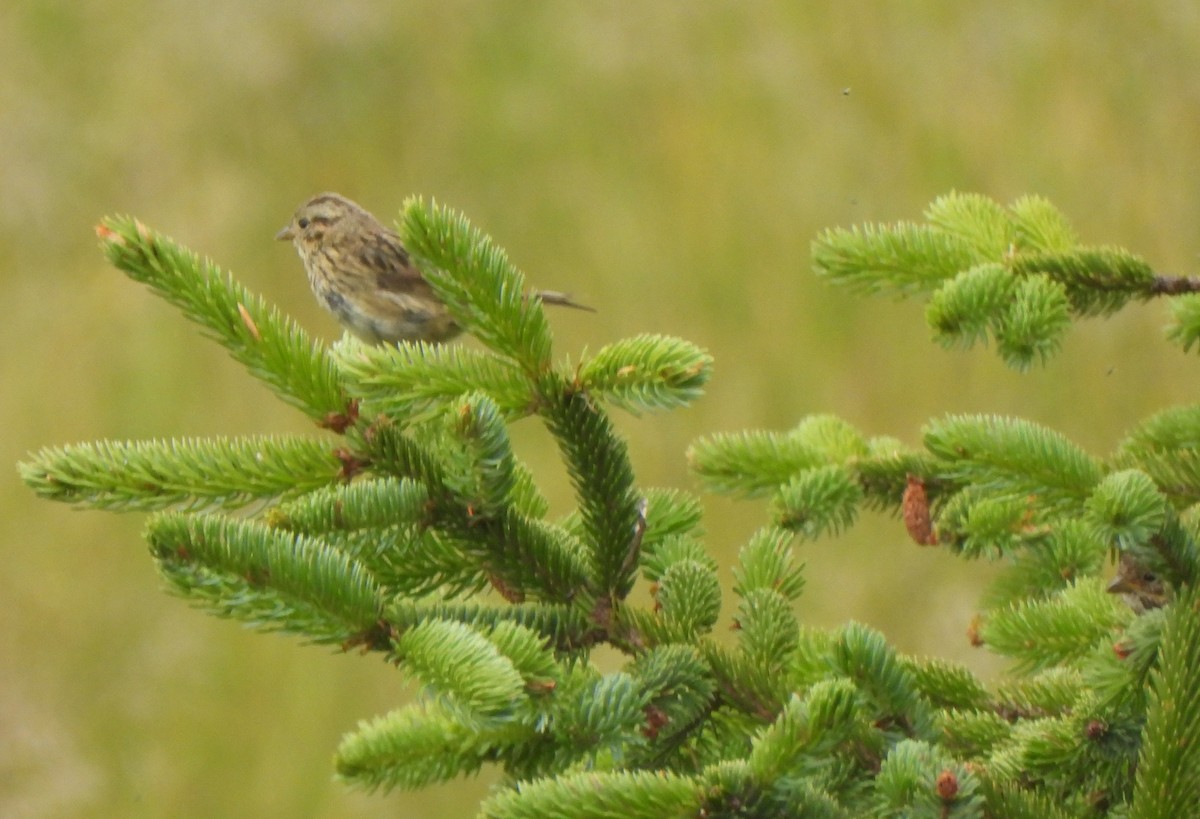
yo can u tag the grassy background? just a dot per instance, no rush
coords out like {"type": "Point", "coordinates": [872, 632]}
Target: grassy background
{"type": "Point", "coordinates": [668, 163]}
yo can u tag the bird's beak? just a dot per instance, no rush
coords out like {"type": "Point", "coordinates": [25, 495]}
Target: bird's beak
{"type": "Point", "coordinates": [1119, 585]}
{"type": "Point", "coordinates": [284, 235]}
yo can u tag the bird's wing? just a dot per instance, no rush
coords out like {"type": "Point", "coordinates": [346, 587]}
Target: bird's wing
{"type": "Point", "coordinates": [395, 271]}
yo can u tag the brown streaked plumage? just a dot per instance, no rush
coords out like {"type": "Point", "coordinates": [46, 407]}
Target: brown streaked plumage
{"type": "Point", "coordinates": [1140, 588]}
{"type": "Point", "coordinates": [360, 272]}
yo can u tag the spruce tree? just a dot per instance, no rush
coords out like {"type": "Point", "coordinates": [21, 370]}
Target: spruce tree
{"type": "Point", "coordinates": [408, 527]}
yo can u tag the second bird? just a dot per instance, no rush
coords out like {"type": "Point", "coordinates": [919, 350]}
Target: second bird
{"type": "Point", "coordinates": [360, 272]}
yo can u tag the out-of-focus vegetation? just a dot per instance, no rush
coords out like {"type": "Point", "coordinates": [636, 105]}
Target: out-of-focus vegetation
{"type": "Point", "coordinates": [668, 163]}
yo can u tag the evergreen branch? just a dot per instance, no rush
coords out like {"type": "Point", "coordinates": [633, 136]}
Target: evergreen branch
{"type": "Point", "coordinates": [365, 504]}
{"type": "Point", "coordinates": [766, 562]}
{"type": "Point", "coordinates": [1012, 801]}
{"type": "Point", "coordinates": [1172, 429]}
{"type": "Point", "coordinates": [1049, 693]}
{"type": "Point", "coordinates": [962, 311]}
{"type": "Point", "coordinates": [372, 544]}
{"type": "Point", "coordinates": [459, 662]}
{"type": "Point", "coordinates": [599, 795]}
{"type": "Point", "coordinates": [1184, 328]}
{"type": "Point", "coordinates": [401, 455]}
{"type": "Point", "coordinates": [647, 372]}
{"type": "Point", "coordinates": [903, 257]}
{"type": "Point", "coordinates": [1164, 285]}
{"type": "Point", "coordinates": [921, 779]}
{"type": "Point", "coordinates": [980, 222]}
{"type": "Point", "coordinates": [633, 629]}
{"type": "Point", "coordinates": [1167, 447]}
{"type": "Point", "coordinates": [271, 580]}
{"type": "Point", "coordinates": [447, 460]}
{"type": "Point", "coordinates": [407, 380]}
{"type": "Point", "coordinates": [1098, 280]}
{"type": "Point", "coordinates": [753, 462]}
{"type": "Point", "coordinates": [526, 498]}
{"type": "Point", "coordinates": [1067, 553]}
{"type": "Point", "coordinates": [1013, 457]}
{"type": "Point", "coordinates": [730, 788]}
{"type": "Point", "coordinates": [598, 463]}
{"type": "Point", "coordinates": [191, 472]}
{"type": "Point", "coordinates": [689, 600]}
{"type": "Point", "coordinates": [1127, 509]}
{"type": "Point", "coordinates": [768, 634]}
{"type": "Point", "coordinates": [480, 425]}
{"type": "Point", "coordinates": [664, 553]}
{"type": "Point", "coordinates": [749, 692]}
{"type": "Point", "coordinates": [420, 745]}
{"type": "Point", "coordinates": [948, 685]}
{"type": "Point", "coordinates": [529, 653]}
{"type": "Point", "coordinates": [1175, 548]}
{"type": "Point", "coordinates": [564, 626]}
{"type": "Point", "coordinates": [973, 734]}
{"type": "Point", "coordinates": [862, 655]}
{"type": "Point", "coordinates": [1121, 676]}
{"type": "Point", "coordinates": [594, 715]}
{"type": "Point", "coordinates": [519, 553]}
{"type": "Point", "coordinates": [806, 732]}
{"type": "Point", "coordinates": [884, 474]}
{"type": "Point", "coordinates": [1032, 325]}
{"type": "Point", "coordinates": [413, 560]}
{"type": "Point", "coordinates": [981, 525]}
{"type": "Point", "coordinates": [1040, 227]}
{"type": "Point", "coordinates": [681, 692]}
{"type": "Point", "coordinates": [528, 556]}
{"type": "Point", "coordinates": [750, 463]}
{"type": "Point", "coordinates": [669, 512]}
{"type": "Point", "coordinates": [1068, 627]}
{"type": "Point", "coordinates": [1168, 772]}
{"type": "Point", "coordinates": [270, 345]}
{"type": "Point", "coordinates": [483, 290]}
{"type": "Point", "coordinates": [1018, 275]}
{"type": "Point", "coordinates": [818, 501]}
{"type": "Point", "coordinates": [835, 439]}
{"type": "Point", "coordinates": [1085, 754]}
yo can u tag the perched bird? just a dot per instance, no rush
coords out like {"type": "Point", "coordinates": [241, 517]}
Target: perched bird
{"type": "Point", "coordinates": [360, 272]}
{"type": "Point", "coordinates": [1140, 588]}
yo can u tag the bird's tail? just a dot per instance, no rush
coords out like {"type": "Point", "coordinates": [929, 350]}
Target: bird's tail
{"type": "Point", "coordinates": [561, 299]}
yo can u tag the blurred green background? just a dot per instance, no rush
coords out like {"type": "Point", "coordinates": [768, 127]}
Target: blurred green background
{"type": "Point", "coordinates": [668, 163]}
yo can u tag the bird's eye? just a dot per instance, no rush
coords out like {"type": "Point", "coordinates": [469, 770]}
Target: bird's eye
{"type": "Point", "coordinates": [302, 222]}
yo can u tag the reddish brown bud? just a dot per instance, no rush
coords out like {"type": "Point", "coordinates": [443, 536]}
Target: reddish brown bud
{"type": "Point", "coordinates": [656, 720]}
{"type": "Point", "coordinates": [108, 235]}
{"type": "Point", "coordinates": [916, 512]}
{"type": "Point", "coordinates": [351, 464]}
{"type": "Point", "coordinates": [973, 635]}
{"type": "Point", "coordinates": [947, 785]}
{"type": "Point", "coordinates": [339, 422]}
